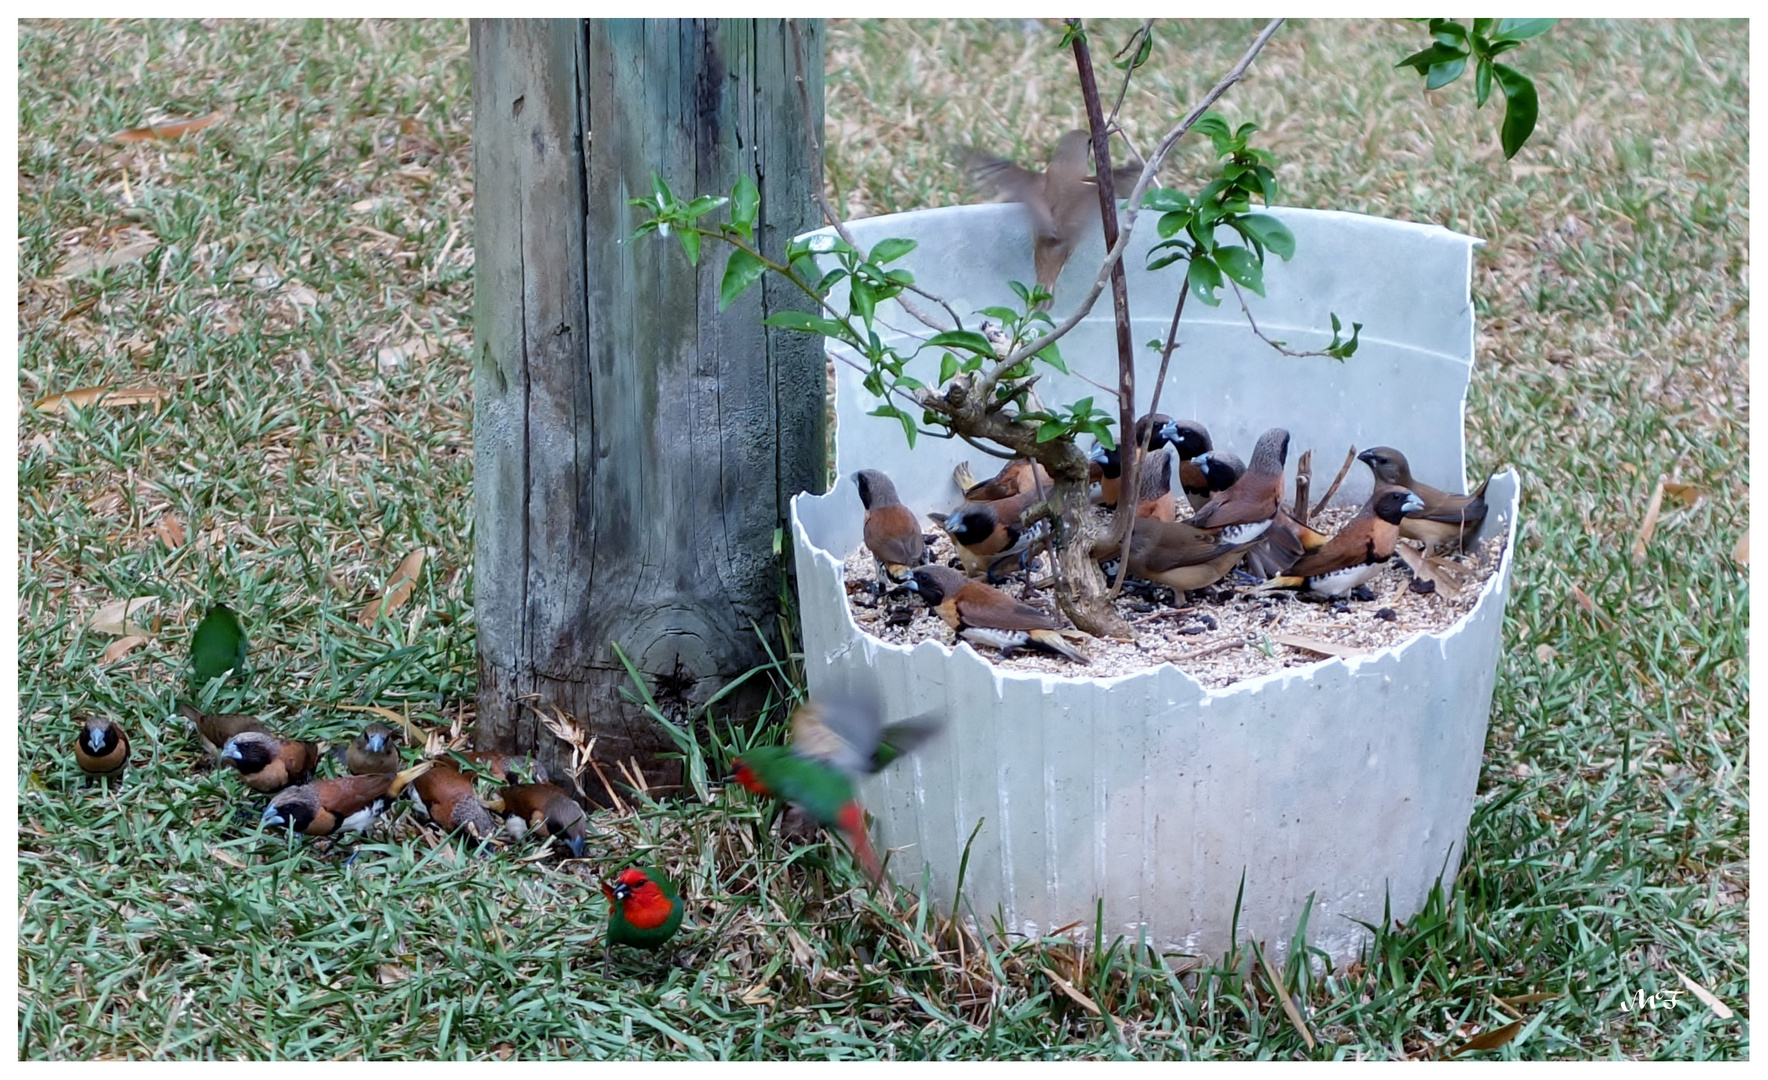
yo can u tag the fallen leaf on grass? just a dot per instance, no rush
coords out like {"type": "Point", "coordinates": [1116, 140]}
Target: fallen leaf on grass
{"type": "Point", "coordinates": [1685, 494]}
{"type": "Point", "coordinates": [1449, 577]}
{"type": "Point", "coordinates": [1545, 653]}
{"type": "Point", "coordinates": [1491, 1040]}
{"type": "Point", "coordinates": [1315, 645]}
{"type": "Point", "coordinates": [171, 129]}
{"type": "Point", "coordinates": [393, 973]}
{"type": "Point", "coordinates": [1741, 553]}
{"type": "Point", "coordinates": [399, 589]}
{"type": "Point", "coordinates": [1649, 524]}
{"type": "Point", "coordinates": [81, 263]}
{"type": "Point", "coordinates": [1707, 998]}
{"type": "Point", "coordinates": [1590, 608]}
{"type": "Point", "coordinates": [122, 647]}
{"type": "Point", "coordinates": [1528, 999]}
{"type": "Point", "coordinates": [1282, 993]}
{"type": "Point", "coordinates": [223, 857]}
{"type": "Point", "coordinates": [170, 530]}
{"type": "Point", "coordinates": [117, 616]}
{"type": "Point", "coordinates": [393, 357]}
{"type": "Point", "coordinates": [110, 397]}
{"type": "Point", "coordinates": [1072, 993]}
{"type": "Point", "coordinates": [365, 206]}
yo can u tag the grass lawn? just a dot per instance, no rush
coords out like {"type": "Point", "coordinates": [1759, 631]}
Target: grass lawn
{"type": "Point", "coordinates": [297, 276]}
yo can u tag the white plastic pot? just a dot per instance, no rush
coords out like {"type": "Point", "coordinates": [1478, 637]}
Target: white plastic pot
{"type": "Point", "coordinates": [1350, 780]}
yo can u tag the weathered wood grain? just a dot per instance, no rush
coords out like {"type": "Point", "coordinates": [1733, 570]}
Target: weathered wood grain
{"type": "Point", "coordinates": [634, 449]}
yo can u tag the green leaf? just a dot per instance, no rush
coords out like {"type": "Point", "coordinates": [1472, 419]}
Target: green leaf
{"type": "Point", "coordinates": [806, 322]}
{"type": "Point", "coordinates": [690, 243]}
{"type": "Point", "coordinates": [219, 644]}
{"type": "Point", "coordinates": [1268, 231]}
{"type": "Point", "coordinates": [1241, 265]}
{"type": "Point", "coordinates": [968, 340]}
{"type": "Point", "coordinates": [1482, 82]}
{"type": "Point", "coordinates": [1050, 429]}
{"type": "Point", "coordinates": [1520, 108]}
{"type": "Point", "coordinates": [1205, 277]}
{"type": "Point", "coordinates": [1174, 221]}
{"type": "Point", "coordinates": [948, 367]}
{"type": "Point", "coordinates": [1424, 59]}
{"type": "Point", "coordinates": [890, 250]}
{"type": "Point", "coordinates": [1052, 356]}
{"type": "Point", "coordinates": [1483, 27]}
{"type": "Point", "coordinates": [644, 227]}
{"type": "Point", "coordinates": [1000, 314]}
{"type": "Point", "coordinates": [1448, 31]}
{"type": "Point", "coordinates": [899, 276]}
{"type": "Point", "coordinates": [741, 270]}
{"type": "Point", "coordinates": [1181, 251]}
{"type": "Point", "coordinates": [1082, 407]}
{"type": "Point", "coordinates": [1443, 74]}
{"type": "Point", "coordinates": [1103, 434]}
{"type": "Point", "coordinates": [704, 205]}
{"type": "Point", "coordinates": [1163, 198]}
{"type": "Point", "coordinates": [665, 197]}
{"type": "Point", "coordinates": [1523, 29]}
{"type": "Point", "coordinates": [829, 280]}
{"type": "Point", "coordinates": [907, 421]}
{"type": "Point", "coordinates": [861, 299]}
{"type": "Point", "coordinates": [745, 203]}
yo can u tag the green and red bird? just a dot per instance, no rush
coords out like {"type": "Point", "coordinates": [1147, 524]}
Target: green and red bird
{"type": "Point", "coordinates": [834, 741]}
{"type": "Point", "coordinates": [644, 909]}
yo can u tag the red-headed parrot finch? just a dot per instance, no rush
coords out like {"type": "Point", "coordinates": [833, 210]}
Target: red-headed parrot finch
{"type": "Point", "coordinates": [644, 909]}
{"type": "Point", "coordinates": [834, 740]}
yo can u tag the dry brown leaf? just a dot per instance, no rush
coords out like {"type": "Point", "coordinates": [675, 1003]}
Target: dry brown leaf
{"type": "Point", "coordinates": [85, 262]}
{"type": "Point", "coordinates": [1741, 553]}
{"type": "Point", "coordinates": [1289, 1009]}
{"type": "Point", "coordinates": [399, 589]}
{"type": "Point", "coordinates": [170, 530]}
{"type": "Point", "coordinates": [300, 295]}
{"type": "Point", "coordinates": [1649, 524]}
{"type": "Point", "coordinates": [1315, 645]}
{"type": "Point", "coordinates": [365, 206]}
{"type": "Point", "coordinates": [171, 129]}
{"type": "Point", "coordinates": [1073, 994]}
{"type": "Point", "coordinates": [412, 732]}
{"type": "Point", "coordinates": [1685, 494]}
{"type": "Point", "coordinates": [1589, 606]}
{"type": "Point", "coordinates": [122, 647]}
{"type": "Point", "coordinates": [1545, 653]}
{"type": "Point", "coordinates": [110, 397]}
{"type": "Point", "coordinates": [394, 357]}
{"type": "Point", "coordinates": [221, 856]}
{"type": "Point", "coordinates": [1491, 1040]}
{"type": "Point", "coordinates": [393, 973]}
{"type": "Point", "coordinates": [1529, 999]}
{"type": "Point", "coordinates": [1707, 998]}
{"type": "Point", "coordinates": [117, 616]}
{"type": "Point", "coordinates": [1449, 577]}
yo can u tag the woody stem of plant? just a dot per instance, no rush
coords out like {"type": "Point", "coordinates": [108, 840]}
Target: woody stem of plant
{"type": "Point", "coordinates": [1129, 456]}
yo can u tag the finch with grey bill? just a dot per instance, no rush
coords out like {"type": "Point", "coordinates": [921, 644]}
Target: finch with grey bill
{"type": "Point", "coordinates": [1245, 510]}
{"type": "Point", "coordinates": [340, 804]}
{"type": "Point", "coordinates": [1447, 521]}
{"type": "Point", "coordinates": [214, 729]}
{"type": "Point", "coordinates": [269, 762]}
{"type": "Point", "coordinates": [447, 798]}
{"type": "Point", "coordinates": [1354, 555]}
{"type": "Point", "coordinates": [984, 615]}
{"type": "Point", "coordinates": [1191, 440]}
{"type": "Point", "coordinates": [545, 810]}
{"type": "Point", "coordinates": [102, 749]}
{"type": "Point", "coordinates": [989, 533]}
{"type": "Point", "coordinates": [892, 533]}
{"type": "Point", "coordinates": [376, 750]}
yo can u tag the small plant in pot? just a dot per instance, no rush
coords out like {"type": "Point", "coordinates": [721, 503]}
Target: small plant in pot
{"type": "Point", "coordinates": [979, 381]}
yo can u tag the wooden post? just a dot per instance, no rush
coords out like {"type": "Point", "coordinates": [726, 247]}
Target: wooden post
{"type": "Point", "coordinates": [634, 449]}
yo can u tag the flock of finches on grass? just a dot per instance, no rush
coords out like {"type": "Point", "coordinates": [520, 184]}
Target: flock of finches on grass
{"type": "Point", "coordinates": [834, 741]}
{"type": "Point", "coordinates": [1238, 525]}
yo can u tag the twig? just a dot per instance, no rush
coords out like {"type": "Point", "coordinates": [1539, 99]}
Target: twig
{"type": "Point", "coordinates": [1223, 646]}
{"type": "Point", "coordinates": [1165, 613]}
{"type": "Point", "coordinates": [1349, 457]}
{"type": "Point", "coordinates": [1304, 478]}
{"type": "Point", "coordinates": [1261, 336]}
{"type": "Point", "coordinates": [1133, 208]}
{"type": "Point", "coordinates": [816, 152]}
{"type": "Point", "coordinates": [1134, 45]}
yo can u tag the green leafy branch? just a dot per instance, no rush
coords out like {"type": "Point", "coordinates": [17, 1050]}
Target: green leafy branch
{"type": "Point", "coordinates": [1454, 45]}
{"type": "Point", "coordinates": [1189, 227]}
